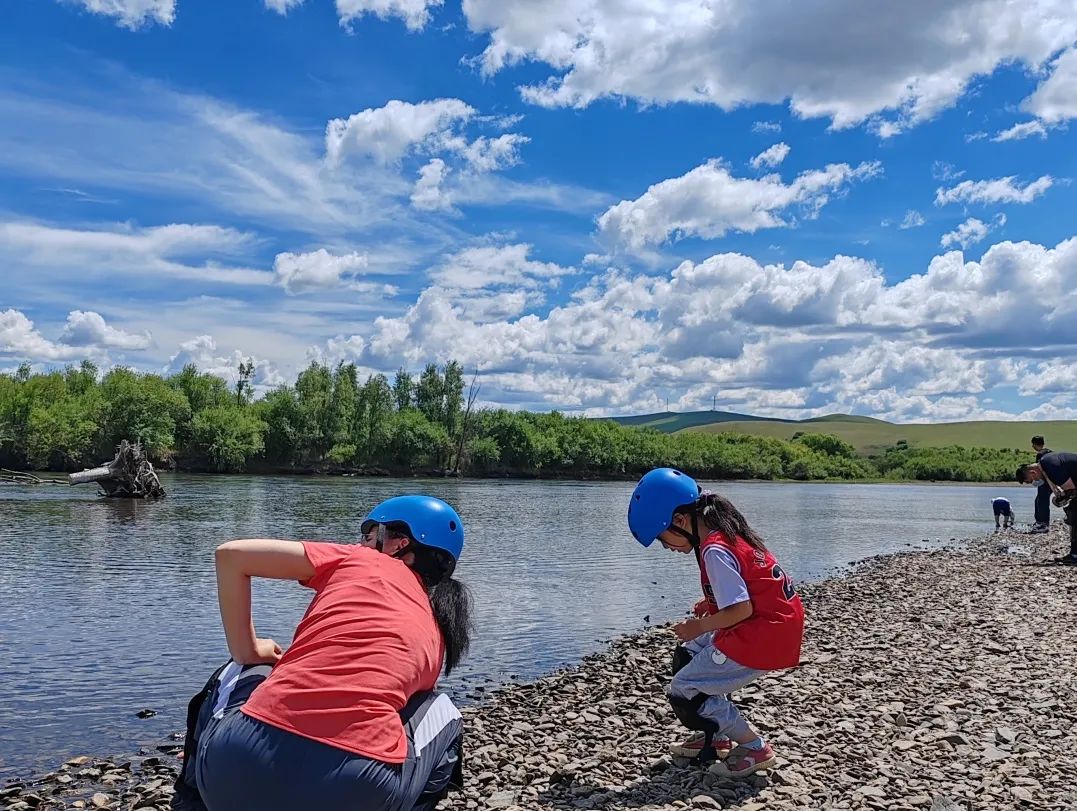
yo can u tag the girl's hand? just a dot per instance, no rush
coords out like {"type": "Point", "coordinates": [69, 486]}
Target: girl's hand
{"type": "Point", "coordinates": [702, 608]}
{"type": "Point", "coordinates": [688, 630]}
{"type": "Point", "coordinates": [266, 652]}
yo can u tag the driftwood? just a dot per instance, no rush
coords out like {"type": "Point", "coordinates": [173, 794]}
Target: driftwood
{"type": "Point", "coordinates": [21, 477]}
{"type": "Point", "coordinates": [129, 475]}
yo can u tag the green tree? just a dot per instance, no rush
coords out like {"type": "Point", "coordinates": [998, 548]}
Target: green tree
{"type": "Point", "coordinates": [283, 417]}
{"type": "Point", "coordinates": [228, 436]}
{"type": "Point", "coordinates": [143, 408]}
{"type": "Point", "coordinates": [344, 414]}
{"type": "Point", "coordinates": [314, 388]}
{"type": "Point", "coordinates": [403, 390]}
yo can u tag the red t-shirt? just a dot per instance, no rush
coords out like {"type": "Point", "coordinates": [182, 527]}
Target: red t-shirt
{"type": "Point", "coordinates": [367, 643]}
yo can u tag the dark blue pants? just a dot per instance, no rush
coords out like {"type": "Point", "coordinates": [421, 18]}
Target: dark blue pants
{"type": "Point", "coordinates": [1043, 504]}
{"type": "Point", "coordinates": [235, 762]}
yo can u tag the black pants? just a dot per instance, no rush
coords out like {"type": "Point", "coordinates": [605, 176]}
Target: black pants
{"type": "Point", "coordinates": [234, 762]}
{"type": "Point", "coordinates": [1043, 504]}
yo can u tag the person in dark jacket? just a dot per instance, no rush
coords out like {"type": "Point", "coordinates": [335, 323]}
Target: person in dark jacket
{"type": "Point", "coordinates": [1059, 472]}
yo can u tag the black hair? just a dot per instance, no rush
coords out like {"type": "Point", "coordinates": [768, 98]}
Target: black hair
{"type": "Point", "coordinates": [449, 598]}
{"type": "Point", "coordinates": [1037, 440]}
{"type": "Point", "coordinates": [719, 515]}
{"type": "Point", "coordinates": [1020, 475]}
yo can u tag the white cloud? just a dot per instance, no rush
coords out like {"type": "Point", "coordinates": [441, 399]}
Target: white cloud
{"type": "Point", "coordinates": [388, 133]}
{"type": "Point", "coordinates": [793, 339]}
{"type": "Point", "coordinates": [20, 340]}
{"type": "Point", "coordinates": [282, 7]}
{"type": "Point", "coordinates": [1021, 131]}
{"type": "Point", "coordinates": [491, 154]}
{"type": "Point", "coordinates": [709, 201]}
{"type": "Point", "coordinates": [144, 254]}
{"type": "Point", "coordinates": [975, 136]}
{"type": "Point", "coordinates": [941, 170]}
{"type": "Point", "coordinates": [134, 13]}
{"type": "Point", "coordinates": [913, 219]}
{"type": "Point", "coordinates": [970, 232]}
{"type": "Point", "coordinates": [88, 329]}
{"type": "Point", "coordinates": [772, 156]}
{"type": "Point", "coordinates": [321, 270]}
{"type": "Point", "coordinates": [1055, 101]}
{"type": "Point", "coordinates": [428, 194]}
{"type": "Point", "coordinates": [415, 13]}
{"type": "Point", "coordinates": [1000, 190]}
{"type": "Point", "coordinates": [843, 60]}
{"type": "Point", "coordinates": [766, 126]}
{"type": "Point", "coordinates": [202, 352]}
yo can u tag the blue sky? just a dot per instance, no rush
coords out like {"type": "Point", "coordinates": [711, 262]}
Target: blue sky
{"type": "Point", "coordinates": [595, 204]}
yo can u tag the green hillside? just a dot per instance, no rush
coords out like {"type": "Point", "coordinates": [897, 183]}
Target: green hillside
{"type": "Point", "coordinates": [669, 422]}
{"type": "Point", "coordinates": [869, 435]}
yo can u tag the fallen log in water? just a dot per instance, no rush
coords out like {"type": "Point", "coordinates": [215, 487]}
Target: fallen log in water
{"type": "Point", "coordinates": [129, 475]}
{"type": "Point", "coordinates": [20, 477]}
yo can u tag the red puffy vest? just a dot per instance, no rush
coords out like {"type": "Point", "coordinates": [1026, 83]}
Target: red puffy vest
{"type": "Point", "coordinates": [770, 638]}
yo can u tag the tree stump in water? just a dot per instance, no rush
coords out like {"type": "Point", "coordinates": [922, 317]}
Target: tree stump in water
{"type": "Point", "coordinates": [129, 475]}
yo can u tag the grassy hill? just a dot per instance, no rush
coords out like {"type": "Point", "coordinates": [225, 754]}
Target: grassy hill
{"type": "Point", "coordinates": [669, 423]}
{"type": "Point", "coordinates": [870, 436]}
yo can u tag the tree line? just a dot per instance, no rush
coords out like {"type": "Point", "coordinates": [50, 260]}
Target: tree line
{"type": "Point", "coordinates": [331, 420]}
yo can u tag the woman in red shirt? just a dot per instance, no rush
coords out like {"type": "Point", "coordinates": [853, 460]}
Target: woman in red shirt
{"type": "Point", "coordinates": [749, 621]}
{"type": "Point", "coordinates": [347, 717]}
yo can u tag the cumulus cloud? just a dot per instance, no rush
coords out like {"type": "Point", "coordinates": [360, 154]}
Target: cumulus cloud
{"type": "Point", "coordinates": [321, 270]}
{"type": "Point", "coordinates": [428, 194]}
{"type": "Point", "coordinates": [1019, 132]}
{"type": "Point", "coordinates": [388, 133]}
{"type": "Point", "coordinates": [202, 352]}
{"type": "Point", "coordinates": [20, 340]}
{"type": "Point", "coordinates": [1000, 190]}
{"type": "Point", "coordinates": [88, 329]}
{"type": "Point", "coordinates": [913, 219]}
{"type": "Point", "coordinates": [772, 156]}
{"type": "Point", "coordinates": [709, 201]}
{"type": "Point", "coordinates": [841, 61]}
{"type": "Point", "coordinates": [970, 232]}
{"type": "Point", "coordinates": [414, 13]}
{"type": "Point", "coordinates": [133, 13]}
{"type": "Point", "coordinates": [491, 154]}
{"type": "Point", "coordinates": [785, 339]}
{"type": "Point", "coordinates": [1055, 101]}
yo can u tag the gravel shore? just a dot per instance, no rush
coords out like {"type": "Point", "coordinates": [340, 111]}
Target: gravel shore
{"type": "Point", "coordinates": [937, 680]}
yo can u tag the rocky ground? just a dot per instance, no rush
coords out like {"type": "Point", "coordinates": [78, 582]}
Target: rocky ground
{"type": "Point", "coordinates": [930, 680]}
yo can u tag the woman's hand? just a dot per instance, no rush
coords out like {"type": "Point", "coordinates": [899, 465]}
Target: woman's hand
{"type": "Point", "coordinates": [689, 629]}
{"type": "Point", "coordinates": [266, 652]}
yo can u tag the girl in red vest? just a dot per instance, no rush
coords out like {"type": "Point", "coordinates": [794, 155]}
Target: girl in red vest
{"type": "Point", "coordinates": [749, 621]}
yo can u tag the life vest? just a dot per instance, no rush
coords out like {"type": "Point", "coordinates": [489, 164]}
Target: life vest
{"type": "Point", "coordinates": [770, 638]}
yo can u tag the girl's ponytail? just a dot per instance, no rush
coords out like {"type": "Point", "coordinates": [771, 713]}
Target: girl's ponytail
{"type": "Point", "coordinates": [719, 515]}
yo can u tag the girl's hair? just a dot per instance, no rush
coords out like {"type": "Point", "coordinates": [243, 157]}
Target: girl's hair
{"type": "Point", "coordinates": [718, 514]}
{"type": "Point", "coordinates": [449, 598]}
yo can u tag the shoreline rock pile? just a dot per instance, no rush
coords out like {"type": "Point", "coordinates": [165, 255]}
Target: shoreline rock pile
{"type": "Point", "coordinates": [942, 681]}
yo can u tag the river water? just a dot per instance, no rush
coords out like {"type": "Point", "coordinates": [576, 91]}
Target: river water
{"type": "Point", "coordinates": [108, 607]}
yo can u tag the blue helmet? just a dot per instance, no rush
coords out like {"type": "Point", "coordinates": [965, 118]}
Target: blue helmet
{"type": "Point", "coordinates": [658, 494]}
{"type": "Point", "coordinates": [430, 521]}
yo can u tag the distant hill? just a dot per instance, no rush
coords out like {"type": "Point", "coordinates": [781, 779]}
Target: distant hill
{"type": "Point", "coordinates": [669, 422]}
{"type": "Point", "coordinates": [868, 434]}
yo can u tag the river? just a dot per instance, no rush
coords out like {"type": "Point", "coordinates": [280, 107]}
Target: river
{"type": "Point", "coordinates": [108, 607]}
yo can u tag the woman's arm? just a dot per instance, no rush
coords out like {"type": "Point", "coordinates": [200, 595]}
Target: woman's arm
{"type": "Point", "coordinates": [237, 563]}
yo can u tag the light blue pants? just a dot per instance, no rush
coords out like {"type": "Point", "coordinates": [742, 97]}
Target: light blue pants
{"type": "Point", "coordinates": [714, 674]}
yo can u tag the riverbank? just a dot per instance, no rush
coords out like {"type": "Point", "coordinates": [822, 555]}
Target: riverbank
{"type": "Point", "coordinates": [940, 680]}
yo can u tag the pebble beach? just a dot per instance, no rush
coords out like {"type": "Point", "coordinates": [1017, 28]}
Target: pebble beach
{"type": "Point", "coordinates": [942, 680]}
